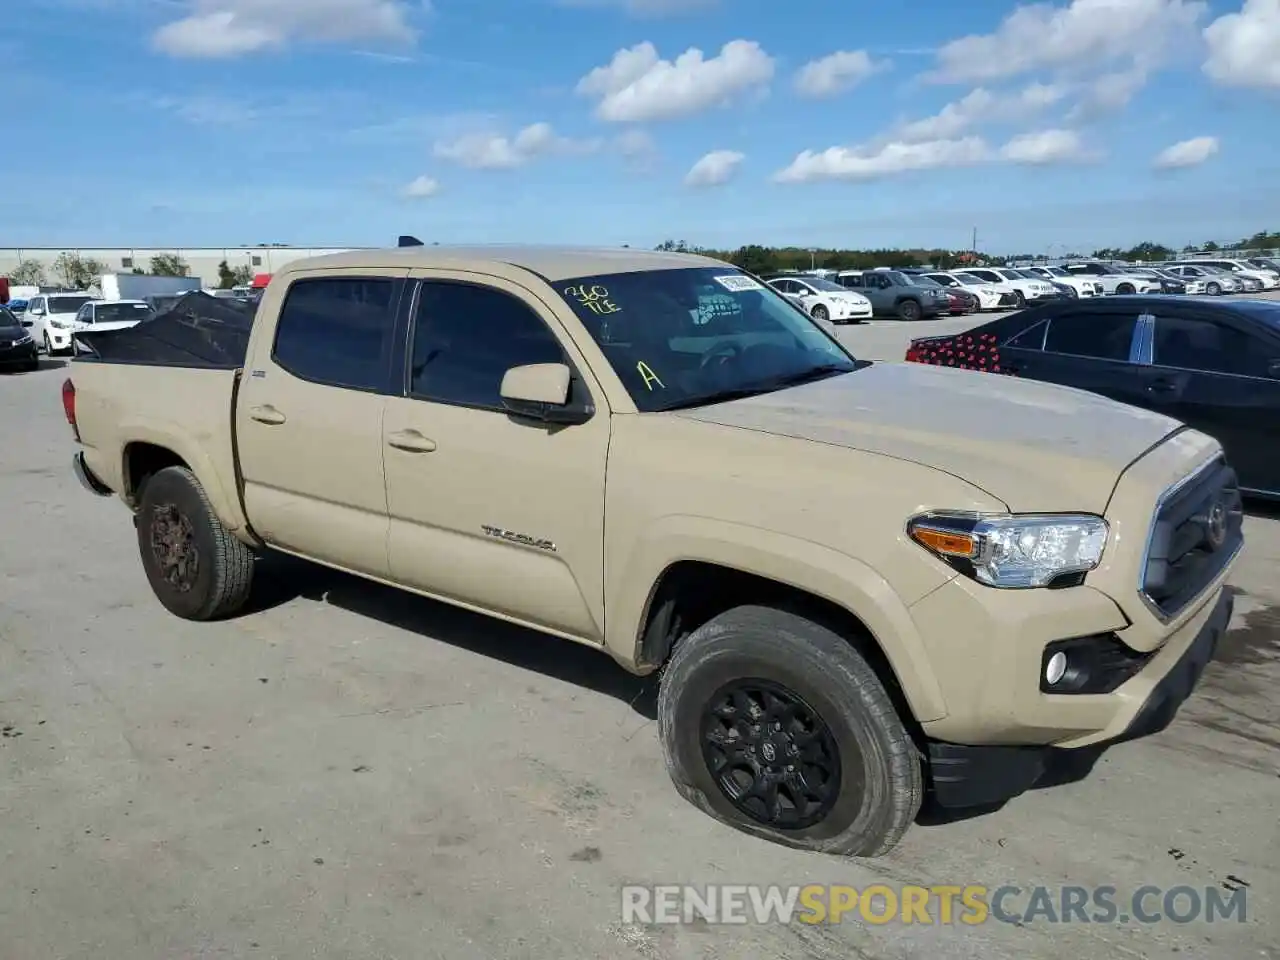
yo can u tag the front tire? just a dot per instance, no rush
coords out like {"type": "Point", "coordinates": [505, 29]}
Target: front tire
{"type": "Point", "coordinates": [1126, 289]}
{"type": "Point", "coordinates": [1214, 289]}
{"type": "Point", "coordinates": [778, 727]}
{"type": "Point", "coordinates": [196, 568]}
{"type": "Point", "coordinates": [909, 310]}
{"type": "Point", "coordinates": [821, 314]}
{"type": "Point", "coordinates": [1019, 300]}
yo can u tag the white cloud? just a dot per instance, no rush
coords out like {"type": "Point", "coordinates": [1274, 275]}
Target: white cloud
{"type": "Point", "coordinates": [715, 169]}
{"type": "Point", "coordinates": [865, 163]}
{"type": "Point", "coordinates": [1188, 153]}
{"type": "Point", "coordinates": [232, 28]}
{"type": "Point", "coordinates": [981, 106]}
{"type": "Point", "coordinates": [638, 86]}
{"type": "Point", "coordinates": [1073, 38]}
{"type": "Point", "coordinates": [1043, 147]}
{"type": "Point", "coordinates": [1244, 47]}
{"type": "Point", "coordinates": [421, 188]}
{"type": "Point", "coordinates": [835, 73]}
{"type": "Point", "coordinates": [496, 151]}
{"type": "Point", "coordinates": [883, 159]}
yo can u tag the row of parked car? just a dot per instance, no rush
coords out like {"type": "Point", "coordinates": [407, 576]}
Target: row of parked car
{"type": "Point", "coordinates": [851, 296]}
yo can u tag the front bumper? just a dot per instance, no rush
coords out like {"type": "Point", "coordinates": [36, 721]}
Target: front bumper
{"type": "Point", "coordinates": [17, 354]}
{"type": "Point", "coordinates": [978, 775]}
{"type": "Point", "coordinates": [59, 339]}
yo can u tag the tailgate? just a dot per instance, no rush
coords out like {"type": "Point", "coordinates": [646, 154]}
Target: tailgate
{"type": "Point", "coordinates": [185, 410]}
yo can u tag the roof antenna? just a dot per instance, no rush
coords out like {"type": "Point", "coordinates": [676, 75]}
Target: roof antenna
{"type": "Point", "coordinates": [407, 241]}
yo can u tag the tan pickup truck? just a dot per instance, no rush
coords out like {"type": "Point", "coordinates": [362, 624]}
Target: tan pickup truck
{"type": "Point", "coordinates": [862, 584]}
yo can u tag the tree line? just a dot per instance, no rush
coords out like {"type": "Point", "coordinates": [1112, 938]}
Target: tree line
{"type": "Point", "coordinates": [759, 259]}
{"type": "Point", "coordinates": [75, 272]}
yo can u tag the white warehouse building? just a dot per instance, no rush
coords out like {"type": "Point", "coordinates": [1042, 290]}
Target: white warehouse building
{"type": "Point", "coordinates": [201, 262]}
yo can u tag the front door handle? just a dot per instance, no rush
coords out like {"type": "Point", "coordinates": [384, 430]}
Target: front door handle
{"type": "Point", "coordinates": [266, 414]}
{"type": "Point", "coordinates": [410, 440]}
{"type": "Point", "coordinates": [1162, 386]}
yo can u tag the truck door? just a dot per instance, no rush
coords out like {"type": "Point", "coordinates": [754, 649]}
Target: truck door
{"type": "Point", "coordinates": [309, 417]}
{"type": "Point", "coordinates": [486, 508]}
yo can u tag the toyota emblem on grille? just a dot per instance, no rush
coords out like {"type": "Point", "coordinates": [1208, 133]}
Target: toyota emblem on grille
{"type": "Point", "coordinates": [1216, 526]}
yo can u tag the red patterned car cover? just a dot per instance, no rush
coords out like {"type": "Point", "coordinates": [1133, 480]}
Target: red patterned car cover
{"type": "Point", "coordinates": [968, 351]}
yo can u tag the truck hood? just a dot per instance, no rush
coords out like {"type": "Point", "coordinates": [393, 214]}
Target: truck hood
{"type": "Point", "coordinates": [1032, 446]}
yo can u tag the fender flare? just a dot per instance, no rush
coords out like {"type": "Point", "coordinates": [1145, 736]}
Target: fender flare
{"type": "Point", "coordinates": [802, 564]}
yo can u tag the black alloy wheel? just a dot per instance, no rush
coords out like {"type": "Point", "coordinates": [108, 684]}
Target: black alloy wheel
{"type": "Point", "coordinates": [771, 754]}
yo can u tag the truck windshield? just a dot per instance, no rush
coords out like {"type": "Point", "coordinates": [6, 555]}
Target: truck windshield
{"type": "Point", "coordinates": [688, 337]}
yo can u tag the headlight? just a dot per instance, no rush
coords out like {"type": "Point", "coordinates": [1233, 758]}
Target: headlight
{"type": "Point", "coordinates": [1012, 551]}
{"type": "Point", "coordinates": [25, 338]}
{"type": "Point", "coordinates": [59, 324]}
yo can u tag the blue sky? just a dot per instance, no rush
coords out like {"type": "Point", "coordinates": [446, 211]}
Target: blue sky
{"type": "Point", "coordinates": [720, 122]}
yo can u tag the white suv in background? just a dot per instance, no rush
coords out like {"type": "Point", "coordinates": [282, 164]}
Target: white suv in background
{"type": "Point", "coordinates": [53, 317]}
{"type": "Point", "coordinates": [991, 296]}
{"type": "Point", "coordinates": [1115, 280]}
{"type": "Point", "coordinates": [1083, 286]}
{"type": "Point", "coordinates": [1027, 289]}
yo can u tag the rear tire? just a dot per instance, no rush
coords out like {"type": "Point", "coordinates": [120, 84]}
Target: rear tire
{"type": "Point", "coordinates": [196, 568]}
{"type": "Point", "coordinates": [856, 784]}
{"type": "Point", "coordinates": [909, 310]}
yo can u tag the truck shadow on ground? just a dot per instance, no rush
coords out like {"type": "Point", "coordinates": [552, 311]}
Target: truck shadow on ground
{"type": "Point", "coordinates": [280, 579]}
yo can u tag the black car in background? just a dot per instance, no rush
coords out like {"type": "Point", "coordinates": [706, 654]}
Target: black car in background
{"type": "Point", "coordinates": [17, 348]}
{"type": "Point", "coordinates": [1213, 364]}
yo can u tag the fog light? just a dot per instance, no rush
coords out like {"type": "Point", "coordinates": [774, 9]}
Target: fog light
{"type": "Point", "coordinates": [1056, 668]}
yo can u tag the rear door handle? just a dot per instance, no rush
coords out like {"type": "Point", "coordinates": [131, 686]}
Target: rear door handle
{"type": "Point", "coordinates": [410, 440]}
{"type": "Point", "coordinates": [266, 414]}
{"type": "Point", "coordinates": [1162, 385]}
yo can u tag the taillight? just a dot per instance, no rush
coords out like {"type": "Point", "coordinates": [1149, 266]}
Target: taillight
{"type": "Point", "coordinates": [69, 405]}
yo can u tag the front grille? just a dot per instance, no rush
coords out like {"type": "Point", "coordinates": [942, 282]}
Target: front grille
{"type": "Point", "coordinates": [1197, 530]}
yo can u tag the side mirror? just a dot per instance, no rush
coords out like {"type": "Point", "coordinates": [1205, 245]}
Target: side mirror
{"type": "Point", "coordinates": [540, 391]}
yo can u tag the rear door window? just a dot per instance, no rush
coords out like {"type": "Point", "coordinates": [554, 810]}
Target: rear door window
{"type": "Point", "coordinates": [1101, 336]}
{"type": "Point", "coordinates": [1200, 344]}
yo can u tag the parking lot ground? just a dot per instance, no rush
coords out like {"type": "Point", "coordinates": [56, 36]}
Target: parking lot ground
{"type": "Point", "coordinates": [348, 772]}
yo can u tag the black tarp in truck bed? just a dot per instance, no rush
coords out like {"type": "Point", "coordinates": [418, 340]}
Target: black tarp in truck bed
{"type": "Point", "coordinates": [197, 331]}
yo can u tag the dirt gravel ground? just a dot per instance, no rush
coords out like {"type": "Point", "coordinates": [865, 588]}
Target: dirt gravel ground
{"type": "Point", "coordinates": [348, 772]}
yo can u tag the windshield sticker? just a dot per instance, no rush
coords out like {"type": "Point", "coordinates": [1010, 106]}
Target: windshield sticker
{"type": "Point", "coordinates": [595, 298]}
{"type": "Point", "coordinates": [650, 378]}
{"type": "Point", "coordinates": [737, 283]}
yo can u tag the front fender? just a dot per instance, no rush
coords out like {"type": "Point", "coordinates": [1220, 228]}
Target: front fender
{"type": "Point", "coordinates": [803, 564]}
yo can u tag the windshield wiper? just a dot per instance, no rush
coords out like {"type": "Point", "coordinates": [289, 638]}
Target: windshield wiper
{"type": "Point", "coordinates": [719, 396]}
{"type": "Point", "coordinates": [823, 371]}
{"type": "Point", "coordinates": [820, 372]}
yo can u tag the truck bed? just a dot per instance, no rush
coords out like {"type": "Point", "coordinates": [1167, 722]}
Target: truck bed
{"type": "Point", "coordinates": [198, 331]}
{"type": "Point", "coordinates": [180, 408]}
